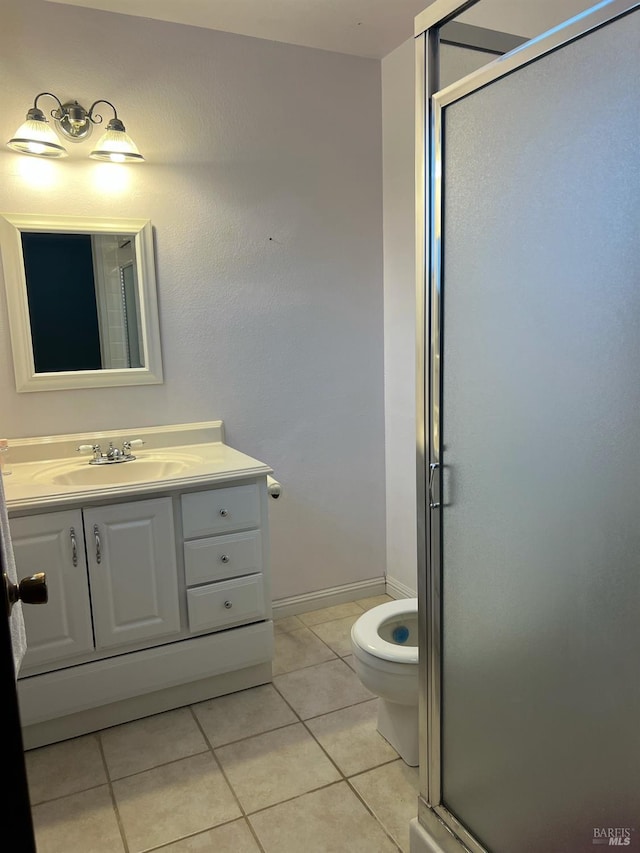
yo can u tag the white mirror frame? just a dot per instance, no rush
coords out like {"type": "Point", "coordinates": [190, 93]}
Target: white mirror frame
{"type": "Point", "coordinates": [11, 228]}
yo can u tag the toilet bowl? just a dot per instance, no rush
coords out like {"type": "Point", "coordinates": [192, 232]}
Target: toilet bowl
{"type": "Point", "coordinates": [384, 642]}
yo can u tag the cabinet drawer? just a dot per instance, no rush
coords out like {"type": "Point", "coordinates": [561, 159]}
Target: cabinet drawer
{"type": "Point", "coordinates": [219, 605]}
{"type": "Point", "coordinates": [220, 510]}
{"type": "Point", "coordinates": [221, 557]}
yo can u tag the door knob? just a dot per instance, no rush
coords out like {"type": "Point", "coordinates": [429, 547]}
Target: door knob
{"type": "Point", "coordinates": [31, 590]}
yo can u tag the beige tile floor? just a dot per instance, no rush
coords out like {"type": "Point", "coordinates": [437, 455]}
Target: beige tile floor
{"type": "Point", "coordinates": [295, 766]}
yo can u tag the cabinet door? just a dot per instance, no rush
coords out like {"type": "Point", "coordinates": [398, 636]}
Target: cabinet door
{"type": "Point", "coordinates": [53, 543]}
{"type": "Point", "coordinates": [133, 571]}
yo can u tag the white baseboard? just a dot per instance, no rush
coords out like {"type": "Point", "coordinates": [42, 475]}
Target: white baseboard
{"type": "Point", "coordinates": [396, 589]}
{"type": "Point", "coordinates": [328, 597]}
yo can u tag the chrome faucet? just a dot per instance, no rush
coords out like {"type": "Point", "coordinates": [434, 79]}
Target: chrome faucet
{"type": "Point", "coordinates": [112, 454]}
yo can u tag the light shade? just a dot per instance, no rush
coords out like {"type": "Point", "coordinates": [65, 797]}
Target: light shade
{"type": "Point", "coordinates": [35, 136]}
{"type": "Point", "coordinates": [116, 145]}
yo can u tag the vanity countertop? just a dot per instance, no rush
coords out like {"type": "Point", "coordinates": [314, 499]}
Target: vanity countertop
{"type": "Point", "coordinates": [48, 472]}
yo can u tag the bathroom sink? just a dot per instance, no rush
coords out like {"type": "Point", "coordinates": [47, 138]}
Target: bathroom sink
{"type": "Point", "coordinates": [135, 471]}
{"type": "Point", "coordinates": [59, 469]}
{"type": "Point", "coordinates": [122, 472]}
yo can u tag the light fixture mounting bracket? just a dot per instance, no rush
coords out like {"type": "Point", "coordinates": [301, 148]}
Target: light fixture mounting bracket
{"type": "Point", "coordinates": [73, 121]}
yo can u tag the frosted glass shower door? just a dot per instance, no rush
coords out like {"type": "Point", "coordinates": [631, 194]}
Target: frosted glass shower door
{"type": "Point", "coordinates": [540, 452]}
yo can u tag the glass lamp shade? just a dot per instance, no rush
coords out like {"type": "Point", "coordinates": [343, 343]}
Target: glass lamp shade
{"type": "Point", "coordinates": [36, 137]}
{"type": "Point", "coordinates": [117, 147]}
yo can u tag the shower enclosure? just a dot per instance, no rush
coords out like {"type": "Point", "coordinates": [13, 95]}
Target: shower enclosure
{"type": "Point", "coordinates": [529, 451]}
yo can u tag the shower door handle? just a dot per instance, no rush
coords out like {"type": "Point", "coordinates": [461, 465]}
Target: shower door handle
{"type": "Point", "coordinates": [432, 470]}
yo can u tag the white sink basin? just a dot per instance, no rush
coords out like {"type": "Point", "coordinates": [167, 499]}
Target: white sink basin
{"type": "Point", "coordinates": [135, 471]}
{"type": "Point", "coordinates": [48, 471]}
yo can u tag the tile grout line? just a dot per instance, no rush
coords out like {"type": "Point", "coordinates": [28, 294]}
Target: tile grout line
{"type": "Point", "coordinates": [336, 654]}
{"type": "Point", "coordinates": [332, 618]}
{"type": "Point", "coordinates": [226, 779]}
{"type": "Point", "coordinates": [285, 700]}
{"type": "Point", "coordinates": [244, 814]}
{"type": "Point", "coordinates": [317, 663]}
{"type": "Point", "coordinates": [344, 777]}
{"type": "Point", "coordinates": [326, 622]}
{"type": "Point", "coordinates": [335, 657]}
{"type": "Point", "coordinates": [112, 794]}
{"type": "Point", "coordinates": [317, 716]}
{"type": "Point", "coordinates": [322, 622]}
{"type": "Point", "coordinates": [166, 844]}
{"type": "Point", "coordinates": [295, 797]}
{"type": "Point", "coordinates": [208, 746]}
{"type": "Point", "coordinates": [372, 813]}
{"type": "Point", "coordinates": [71, 793]}
{"type": "Point", "coordinates": [247, 815]}
{"type": "Point", "coordinates": [157, 766]}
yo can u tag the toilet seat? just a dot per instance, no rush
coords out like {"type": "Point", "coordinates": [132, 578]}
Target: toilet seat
{"type": "Point", "coordinates": [365, 631]}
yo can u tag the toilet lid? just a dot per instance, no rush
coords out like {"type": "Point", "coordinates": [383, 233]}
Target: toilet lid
{"type": "Point", "coordinates": [366, 632]}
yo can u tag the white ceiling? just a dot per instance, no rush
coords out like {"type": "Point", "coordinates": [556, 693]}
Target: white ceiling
{"type": "Point", "coordinates": [371, 28]}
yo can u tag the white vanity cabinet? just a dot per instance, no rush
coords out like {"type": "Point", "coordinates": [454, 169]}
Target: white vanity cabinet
{"type": "Point", "coordinates": [111, 578]}
{"type": "Point", "coordinates": [157, 575]}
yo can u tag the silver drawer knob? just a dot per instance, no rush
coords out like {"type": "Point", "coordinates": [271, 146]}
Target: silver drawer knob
{"type": "Point", "coordinates": [224, 513]}
{"type": "Point", "coordinates": [228, 605]}
{"type": "Point", "coordinates": [225, 558]}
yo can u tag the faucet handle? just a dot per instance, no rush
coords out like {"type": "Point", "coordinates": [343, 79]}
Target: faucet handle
{"type": "Point", "coordinates": [129, 443]}
{"type": "Point", "coordinates": [88, 448]}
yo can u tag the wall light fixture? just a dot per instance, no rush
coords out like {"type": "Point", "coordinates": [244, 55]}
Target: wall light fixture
{"type": "Point", "coordinates": [75, 123]}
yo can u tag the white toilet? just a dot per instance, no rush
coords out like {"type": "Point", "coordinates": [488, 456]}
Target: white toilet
{"type": "Point", "coordinates": [384, 641]}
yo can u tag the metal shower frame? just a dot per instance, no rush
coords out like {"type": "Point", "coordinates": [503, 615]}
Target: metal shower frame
{"type": "Point", "coordinates": [433, 814]}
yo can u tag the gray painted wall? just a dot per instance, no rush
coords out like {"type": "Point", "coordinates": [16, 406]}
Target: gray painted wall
{"type": "Point", "coordinates": [263, 183]}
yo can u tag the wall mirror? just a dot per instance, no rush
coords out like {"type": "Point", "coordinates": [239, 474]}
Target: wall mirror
{"type": "Point", "coordinates": [82, 301]}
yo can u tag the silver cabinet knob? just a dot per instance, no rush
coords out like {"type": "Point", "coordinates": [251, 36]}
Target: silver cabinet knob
{"type": "Point", "coordinates": [228, 605]}
{"type": "Point", "coordinates": [225, 558]}
{"type": "Point", "coordinates": [224, 513]}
